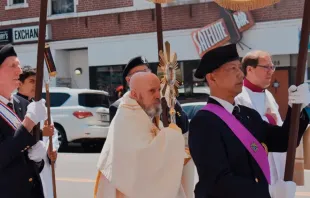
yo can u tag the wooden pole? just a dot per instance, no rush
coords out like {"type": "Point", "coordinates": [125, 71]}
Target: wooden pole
{"type": "Point", "coordinates": [159, 24]}
{"type": "Point", "coordinates": [51, 68]}
{"type": "Point", "coordinates": [40, 60]}
{"type": "Point", "coordinates": [160, 45]}
{"type": "Point", "coordinates": [50, 146]}
{"type": "Point", "coordinates": [300, 74]}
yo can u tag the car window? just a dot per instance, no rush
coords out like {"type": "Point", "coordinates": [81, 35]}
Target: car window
{"type": "Point", "coordinates": [93, 100]}
{"type": "Point", "coordinates": [197, 108]}
{"type": "Point", "coordinates": [57, 99]}
{"type": "Point", "coordinates": [188, 110]}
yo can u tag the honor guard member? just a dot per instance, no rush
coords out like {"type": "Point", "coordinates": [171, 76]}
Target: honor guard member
{"type": "Point", "coordinates": [140, 64]}
{"type": "Point", "coordinates": [26, 90]}
{"type": "Point", "coordinates": [21, 155]}
{"type": "Point", "coordinates": [229, 143]}
{"type": "Point", "coordinates": [27, 83]}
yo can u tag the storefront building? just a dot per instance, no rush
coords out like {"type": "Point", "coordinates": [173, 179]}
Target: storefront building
{"type": "Point", "coordinates": [97, 38]}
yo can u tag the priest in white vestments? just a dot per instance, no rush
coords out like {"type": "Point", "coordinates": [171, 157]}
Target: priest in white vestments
{"type": "Point", "coordinates": [139, 158]}
{"type": "Point", "coordinates": [258, 68]}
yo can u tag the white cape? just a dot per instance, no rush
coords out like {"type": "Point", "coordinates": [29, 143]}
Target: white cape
{"type": "Point", "coordinates": [247, 98]}
{"type": "Point", "coordinates": [46, 173]}
{"type": "Point", "coordinates": [135, 164]}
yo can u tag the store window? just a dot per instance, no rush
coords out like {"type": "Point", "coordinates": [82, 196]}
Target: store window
{"type": "Point", "coordinates": [107, 78]}
{"type": "Point", "coordinates": [62, 6]}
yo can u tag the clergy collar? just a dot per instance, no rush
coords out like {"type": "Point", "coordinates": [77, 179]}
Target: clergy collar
{"type": "Point", "coordinates": [228, 106]}
{"type": "Point", "coordinates": [6, 101]}
{"type": "Point", "coordinates": [251, 86]}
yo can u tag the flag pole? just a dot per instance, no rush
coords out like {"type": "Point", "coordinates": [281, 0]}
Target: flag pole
{"type": "Point", "coordinates": [40, 60]}
{"type": "Point", "coordinates": [300, 76]}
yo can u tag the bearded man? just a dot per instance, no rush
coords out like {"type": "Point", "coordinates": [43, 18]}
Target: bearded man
{"type": "Point", "coordinates": [140, 158]}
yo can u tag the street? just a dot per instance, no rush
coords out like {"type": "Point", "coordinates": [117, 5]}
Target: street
{"type": "Point", "coordinates": [76, 174]}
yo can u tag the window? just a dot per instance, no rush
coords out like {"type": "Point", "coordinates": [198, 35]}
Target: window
{"type": "Point", "coordinates": [188, 110]}
{"type": "Point", "coordinates": [196, 109]}
{"type": "Point", "coordinates": [57, 99]}
{"type": "Point", "coordinates": [107, 78]}
{"type": "Point", "coordinates": [191, 110]}
{"type": "Point", "coordinates": [93, 100]}
{"type": "Point", "coordinates": [62, 6]}
{"type": "Point", "coordinates": [17, 1]}
{"type": "Point", "coordinates": [14, 4]}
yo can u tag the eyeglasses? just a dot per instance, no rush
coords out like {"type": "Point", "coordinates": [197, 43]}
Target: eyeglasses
{"type": "Point", "coordinates": [273, 68]}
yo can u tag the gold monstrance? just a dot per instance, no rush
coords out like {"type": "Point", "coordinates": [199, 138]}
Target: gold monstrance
{"type": "Point", "coordinates": [168, 64]}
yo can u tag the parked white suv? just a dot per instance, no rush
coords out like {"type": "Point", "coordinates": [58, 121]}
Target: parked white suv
{"type": "Point", "coordinates": [80, 115]}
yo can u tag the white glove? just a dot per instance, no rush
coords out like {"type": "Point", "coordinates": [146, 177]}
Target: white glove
{"type": "Point", "coordinates": [282, 189]}
{"type": "Point", "coordinates": [37, 152]}
{"type": "Point", "coordinates": [299, 95]}
{"type": "Point", "coordinates": [36, 111]}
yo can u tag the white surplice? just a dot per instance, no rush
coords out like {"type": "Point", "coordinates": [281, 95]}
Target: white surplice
{"type": "Point", "coordinates": [261, 101]}
{"type": "Point", "coordinates": [190, 174]}
{"type": "Point", "coordinates": [136, 164]}
{"type": "Point", "coordinates": [46, 173]}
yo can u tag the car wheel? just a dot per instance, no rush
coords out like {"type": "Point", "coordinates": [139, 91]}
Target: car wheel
{"type": "Point", "coordinates": [62, 138]}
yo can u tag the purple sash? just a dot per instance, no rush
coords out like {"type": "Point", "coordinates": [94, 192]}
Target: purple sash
{"type": "Point", "coordinates": [248, 140]}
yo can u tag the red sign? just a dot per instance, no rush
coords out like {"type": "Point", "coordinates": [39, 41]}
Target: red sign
{"type": "Point", "coordinates": [210, 37]}
{"type": "Point", "coordinates": [217, 34]}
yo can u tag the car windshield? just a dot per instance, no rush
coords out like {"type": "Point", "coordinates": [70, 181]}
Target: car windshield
{"type": "Point", "coordinates": [191, 110]}
{"type": "Point", "coordinates": [93, 100]}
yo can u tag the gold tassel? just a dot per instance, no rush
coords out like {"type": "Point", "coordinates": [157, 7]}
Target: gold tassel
{"type": "Point", "coordinates": [245, 5]}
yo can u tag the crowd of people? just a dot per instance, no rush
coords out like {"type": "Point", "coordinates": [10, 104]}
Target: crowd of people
{"type": "Point", "coordinates": [236, 146]}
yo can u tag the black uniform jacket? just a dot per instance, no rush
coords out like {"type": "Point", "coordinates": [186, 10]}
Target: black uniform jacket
{"type": "Point", "coordinates": [224, 165]}
{"type": "Point", "coordinates": [19, 176]}
{"type": "Point", "coordinates": [181, 117]}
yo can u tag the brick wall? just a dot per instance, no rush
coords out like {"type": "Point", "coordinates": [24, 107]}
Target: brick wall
{"type": "Point", "coordinates": [32, 11]}
{"type": "Point", "coordinates": [34, 8]}
{"type": "Point", "coordinates": [174, 18]}
{"type": "Point", "coordinates": [286, 9]}
{"type": "Point", "coordinates": [90, 5]}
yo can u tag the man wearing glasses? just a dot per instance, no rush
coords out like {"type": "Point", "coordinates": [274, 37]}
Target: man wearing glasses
{"type": "Point", "coordinates": [258, 69]}
{"type": "Point", "coordinates": [140, 64]}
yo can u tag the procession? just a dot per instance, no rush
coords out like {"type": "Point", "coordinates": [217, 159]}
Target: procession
{"type": "Point", "coordinates": [202, 112]}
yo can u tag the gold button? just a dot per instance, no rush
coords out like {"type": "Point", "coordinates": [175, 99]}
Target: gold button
{"type": "Point", "coordinates": [256, 180]}
{"type": "Point", "coordinates": [30, 179]}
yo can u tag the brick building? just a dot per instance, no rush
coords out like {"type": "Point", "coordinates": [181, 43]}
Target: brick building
{"type": "Point", "coordinates": [99, 37]}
